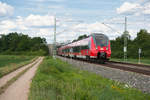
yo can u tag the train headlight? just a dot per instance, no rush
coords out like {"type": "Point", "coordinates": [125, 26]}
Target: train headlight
{"type": "Point", "coordinates": [102, 49]}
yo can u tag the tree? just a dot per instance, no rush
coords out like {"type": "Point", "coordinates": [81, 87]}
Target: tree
{"type": "Point", "coordinates": [141, 41]}
{"type": "Point", "coordinates": [17, 43]}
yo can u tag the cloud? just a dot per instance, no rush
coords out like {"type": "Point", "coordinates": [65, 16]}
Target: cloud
{"type": "Point", "coordinates": [96, 27]}
{"type": "Point", "coordinates": [137, 8]}
{"type": "Point", "coordinates": [7, 24]}
{"type": "Point", "coordinates": [89, 28]}
{"type": "Point", "coordinates": [5, 9]}
{"type": "Point", "coordinates": [34, 25]}
{"type": "Point", "coordinates": [43, 26]}
{"type": "Point", "coordinates": [48, 0]}
{"type": "Point", "coordinates": [146, 8]}
{"type": "Point", "coordinates": [127, 7]}
{"type": "Point", "coordinates": [38, 20]}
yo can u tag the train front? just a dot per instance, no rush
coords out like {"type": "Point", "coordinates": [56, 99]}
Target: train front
{"type": "Point", "coordinates": [102, 46]}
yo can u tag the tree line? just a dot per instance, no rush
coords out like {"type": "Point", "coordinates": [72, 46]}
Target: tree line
{"type": "Point", "coordinates": [20, 44]}
{"type": "Point", "coordinates": [142, 41]}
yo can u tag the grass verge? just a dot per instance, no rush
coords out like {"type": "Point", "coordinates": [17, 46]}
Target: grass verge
{"type": "Point", "coordinates": [13, 59]}
{"type": "Point", "coordinates": [58, 80]}
{"type": "Point", "coordinates": [12, 67]}
{"type": "Point", "coordinates": [135, 61]}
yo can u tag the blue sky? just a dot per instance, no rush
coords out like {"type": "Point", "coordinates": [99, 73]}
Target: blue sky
{"type": "Point", "coordinates": [35, 17]}
{"type": "Point", "coordinates": [76, 8]}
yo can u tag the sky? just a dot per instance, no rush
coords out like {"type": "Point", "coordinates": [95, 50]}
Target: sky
{"type": "Point", "coordinates": [73, 17]}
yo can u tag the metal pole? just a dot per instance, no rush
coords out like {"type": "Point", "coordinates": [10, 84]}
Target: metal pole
{"type": "Point", "coordinates": [139, 59]}
{"type": "Point", "coordinates": [125, 40]}
{"type": "Point", "coordinates": [139, 62]}
{"type": "Point", "coordinates": [54, 51]}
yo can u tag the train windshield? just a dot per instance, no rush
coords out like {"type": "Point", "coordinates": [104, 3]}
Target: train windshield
{"type": "Point", "coordinates": [101, 40]}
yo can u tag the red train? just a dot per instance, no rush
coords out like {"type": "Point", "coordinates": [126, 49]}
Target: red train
{"type": "Point", "coordinates": [96, 46]}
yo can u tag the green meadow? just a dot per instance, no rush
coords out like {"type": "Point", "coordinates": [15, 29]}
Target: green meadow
{"type": "Point", "coordinates": [143, 61]}
{"type": "Point", "coordinates": [9, 63]}
{"type": "Point", "coordinates": [58, 80]}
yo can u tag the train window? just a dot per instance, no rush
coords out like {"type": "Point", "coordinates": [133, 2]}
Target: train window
{"type": "Point", "coordinates": [89, 45]}
{"type": "Point", "coordinates": [84, 47]}
{"type": "Point", "coordinates": [67, 50]}
{"type": "Point", "coordinates": [101, 40]}
{"type": "Point", "coordinates": [76, 49]}
{"type": "Point", "coordinates": [71, 49]}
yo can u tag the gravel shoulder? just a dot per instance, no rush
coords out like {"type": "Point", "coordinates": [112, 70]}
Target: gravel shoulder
{"type": "Point", "coordinates": [20, 88]}
{"type": "Point", "coordinates": [139, 81]}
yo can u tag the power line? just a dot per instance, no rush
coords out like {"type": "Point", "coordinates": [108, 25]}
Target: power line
{"type": "Point", "coordinates": [111, 28]}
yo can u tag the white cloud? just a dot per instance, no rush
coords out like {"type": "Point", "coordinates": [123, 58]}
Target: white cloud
{"type": "Point", "coordinates": [7, 24]}
{"type": "Point", "coordinates": [146, 8]}
{"type": "Point", "coordinates": [89, 28]}
{"type": "Point", "coordinates": [48, 0]}
{"type": "Point", "coordinates": [137, 8]}
{"type": "Point", "coordinates": [5, 9]}
{"type": "Point", "coordinates": [34, 25]}
{"type": "Point", "coordinates": [38, 20]}
{"type": "Point", "coordinates": [93, 28]}
{"type": "Point", "coordinates": [127, 7]}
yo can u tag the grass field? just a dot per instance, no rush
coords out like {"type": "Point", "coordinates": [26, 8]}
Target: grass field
{"type": "Point", "coordinates": [7, 60]}
{"type": "Point", "coordinates": [9, 63]}
{"type": "Point", "coordinates": [143, 61]}
{"type": "Point", "coordinates": [57, 80]}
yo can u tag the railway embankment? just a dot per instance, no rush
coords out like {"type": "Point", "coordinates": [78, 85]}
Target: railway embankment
{"type": "Point", "coordinates": [131, 79]}
{"type": "Point", "coordinates": [58, 80]}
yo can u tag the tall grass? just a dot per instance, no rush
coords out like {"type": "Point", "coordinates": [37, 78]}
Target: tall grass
{"type": "Point", "coordinates": [143, 61]}
{"type": "Point", "coordinates": [10, 63]}
{"type": "Point", "coordinates": [11, 59]}
{"type": "Point", "coordinates": [57, 80]}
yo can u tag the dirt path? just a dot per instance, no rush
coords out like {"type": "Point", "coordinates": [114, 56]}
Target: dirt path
{"type": "Point", "coordinates": [9, 76]}
{"type": "Point", "coordinates": [20, 88]}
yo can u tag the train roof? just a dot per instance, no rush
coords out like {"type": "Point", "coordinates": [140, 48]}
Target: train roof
{"type": "Point", "coordinates": [80, 42]}
{"type": "Point", "coordinates": [83, 42]}
{"type": "Point", "coordinates": [99, 34]}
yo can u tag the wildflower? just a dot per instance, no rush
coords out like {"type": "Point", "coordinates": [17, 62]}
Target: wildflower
{"type": "Point", "coordinates": [116, 88]}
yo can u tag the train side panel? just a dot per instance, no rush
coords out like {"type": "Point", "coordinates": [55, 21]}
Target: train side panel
{"type": "Point", "coordinates": [88, 48]}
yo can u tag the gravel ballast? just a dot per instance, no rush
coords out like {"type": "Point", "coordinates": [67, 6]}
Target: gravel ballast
{"type": "Point", "coordinates": [135, 80]}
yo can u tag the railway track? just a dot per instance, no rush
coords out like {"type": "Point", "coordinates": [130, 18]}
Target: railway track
{"type": "Point", "coordinates": [137, 68]}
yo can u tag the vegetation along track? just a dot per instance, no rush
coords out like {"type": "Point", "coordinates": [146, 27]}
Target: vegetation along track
{"type": "Point", "coordinates": [137, 68]}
